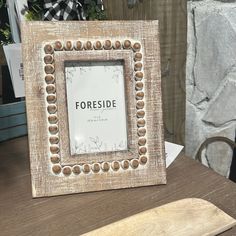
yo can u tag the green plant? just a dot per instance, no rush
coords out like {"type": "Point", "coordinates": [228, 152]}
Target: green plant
{"type": "Point", "coordinates": [94, 11]}
{"type": "Point", "coordinates": [2, 3]}
{"type": "Point", "coordinates": [6, 33]}
{"type": "Point", "coordinates": [35, 10]}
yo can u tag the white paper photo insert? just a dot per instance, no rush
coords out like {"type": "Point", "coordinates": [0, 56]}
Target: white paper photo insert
{"type": "Point", "coordinates": [96, 106]}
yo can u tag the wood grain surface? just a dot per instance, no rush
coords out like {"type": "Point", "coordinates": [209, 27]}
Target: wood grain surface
{"type": "Point", "coordinates": [12, 121]}
{"type": "Point", "coordinates": [186, 217]}
{"type": "Point", "coordinates": [172, 15]}
{"type": "Point", "coordinates": [50, 179]}
{"type": "Point", "coordinates": [80, 213]}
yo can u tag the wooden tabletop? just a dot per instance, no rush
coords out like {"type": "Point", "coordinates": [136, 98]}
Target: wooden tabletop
{"type": "Point", "coordinates": [79, 213]}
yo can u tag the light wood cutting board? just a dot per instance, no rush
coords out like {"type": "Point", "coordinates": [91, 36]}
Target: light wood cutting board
{"type": "Point", "coordinates": [187, 217]}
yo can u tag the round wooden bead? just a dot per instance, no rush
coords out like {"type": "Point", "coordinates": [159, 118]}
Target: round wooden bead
{"type": "Point", "coordinates": [117, 45]}
{"type": "Point", "coordinates": [55, 158]}
{"type": "Point", "coordinates": [76, 169]}
{"type": "Point", "coordinates": [138, 56]}
{"type": "Point", "coordinates": [136, 47]}
{"type": "Point", "coordinates": [135, 163]}
{"type": "Point", "coordinates": [139, 85]}
{"type": "Point", "coordinates": [142, 141]}
{"type": "Point", "coordinates": [141, 122]}
{"type": "Point", "coordinates": [58, 46]}
{"type": "Point", "coordinates": [127, 44]}
{"type": "Point", "coordinates": [97, 45]}
{"type": "Point", "coordinates": [51, 98]}
{"type": "Point", "coordinates": [68, 45]}
{"type": "Point", "coordinates": [49, 69]}
{"type": "Point", "coordinates": [143, 160]}
{"type": "Point", "coordinates": [56, 169]}
{"type": "Point", "coordinates": [139, 95]}
{"type": "Point", "coordinates": [88, 45]}
{"type": "Point", "coordinates": [138, 75]}
{"type": "Point", "coordinates": [50, 88]}
{"type": "Point", "coordinates": [141, 132]}
{"type": "Point", "coordinates": [125, 164]}
{"type": "Point", "coordinates": [52, 108]}
{"type": "Point", "coordinates": [96, 167]}
{"type": "Point", "coordinates": [49, 79]}
{"type": "Point", "coordinates": [142, 150]}
{"type": "Point", "coordinates": [78, 45]}
{"type": "Point", "coordinates": [48, 59]}
{"type": "Point", "coordinates": [115, 165]}
{"type": "Point", "coordinates": [66, 170]}
{"type": "Point", "coordinates": [54, 139]}
{"type": "Point", "coordinates": [86, 168]}
{"type": "Point", "coordinates": [107, 44]}
{"type": "Point", "coordinates": [52, 119]}
{"type": "Point", "coordinates": [138, 66]}
{"type": "Point", "coordinates": [140, 104]}
{"type": "Point", "coordinates": [53, 129]}
{"type": "Point", "coordinates": [105, 166]}
{"type": "Point", "coordinates": [140, 113]}
{"type": "Point", "coordinates": [48, 49]}
{"type": "Point", "coordinates": [54, 149]}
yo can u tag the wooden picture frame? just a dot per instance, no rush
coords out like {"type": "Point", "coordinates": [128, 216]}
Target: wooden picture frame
{"type": "Point", "coordinates": [47, 47]}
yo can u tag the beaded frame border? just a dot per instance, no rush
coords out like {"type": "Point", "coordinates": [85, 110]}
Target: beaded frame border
{"type": "Point", "coordinates": [103, 55]}
{"type": "Point", "coordinates": [51, 98]}
{"type": "Point", "coordinates": [50, 176]}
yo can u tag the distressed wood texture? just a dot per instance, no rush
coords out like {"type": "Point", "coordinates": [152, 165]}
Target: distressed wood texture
{"type": "Point", "coordinates": [172, 15]}
{"type": "Point", "coordinates": [76, 214]}
{"type": "Point", "coordinates": [53, 171]}
{"type": "Point", "coordinates": [12, 120]}
{"type": "Point", "coordinates": [185, 217]}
